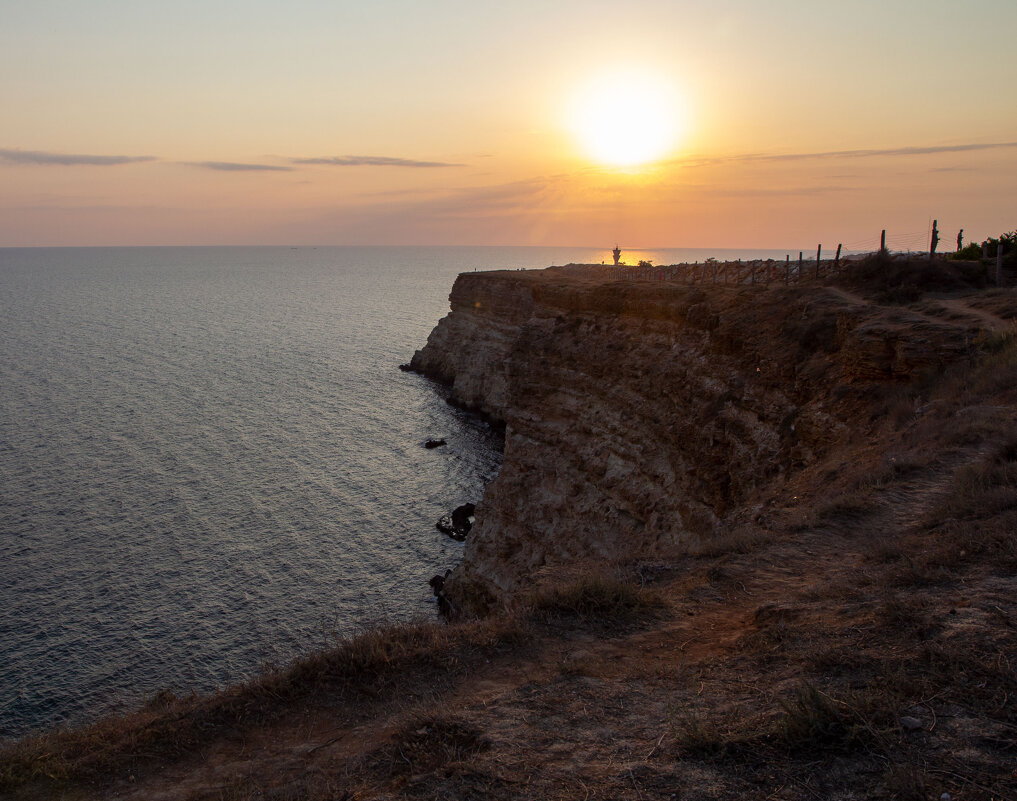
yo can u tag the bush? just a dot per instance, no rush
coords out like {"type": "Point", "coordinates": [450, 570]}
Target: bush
{"type": "Point", "coordinates": [972, 252]}
{"type": "Point", "coordinates": [901, 280]}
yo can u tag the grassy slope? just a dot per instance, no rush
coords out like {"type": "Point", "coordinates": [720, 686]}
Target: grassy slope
{"type": "Point", "coordinates": [858, 641]}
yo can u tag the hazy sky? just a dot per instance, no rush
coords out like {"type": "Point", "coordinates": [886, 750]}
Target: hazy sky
{"type": "Point", "coordinates": [410, 122]}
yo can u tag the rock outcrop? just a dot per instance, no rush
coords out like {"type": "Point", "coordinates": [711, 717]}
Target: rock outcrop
{"type": "Point", "coordinates": [644, 416]}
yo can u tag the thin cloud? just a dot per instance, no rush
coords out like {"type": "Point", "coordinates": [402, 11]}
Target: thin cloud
{"type": "Point", "coordinates": [898, 151]}
{"type": "Point", "coordinates": [796, 191]}
{"type": "Point", "coordinates": [374, 161]}
{"type": "Point", "coordinates": [235, 166]}
{"type": "Point", "coordinates": [846, 154]}
{"type": "Point", "coordinates": [390, 193]}
{"type": "Point", "coordinates": [12, 156]}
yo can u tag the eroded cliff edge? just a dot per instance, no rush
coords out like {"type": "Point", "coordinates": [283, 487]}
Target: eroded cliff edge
{"type": "Point", "coordinates": [645, 416]}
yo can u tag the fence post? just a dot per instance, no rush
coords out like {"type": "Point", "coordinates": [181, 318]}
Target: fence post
{"type": "Point", "coordinates": [819, 255]}
{"type": "Point", "coordinates": [882, 242]}
{"type": "Point", "coordinates": [799, 265]}
{"type": "Point", "coordinates": [836, 260]}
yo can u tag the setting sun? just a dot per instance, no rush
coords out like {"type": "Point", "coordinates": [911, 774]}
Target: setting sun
{"type": "Point", "coordinates": [626, 118]}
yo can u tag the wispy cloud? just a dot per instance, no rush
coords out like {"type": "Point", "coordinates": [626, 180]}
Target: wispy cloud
{"type": "Point", "coordinates": [14, 156]}
{"type": "Point", "coordinates": [235, 166]}
{"type": "Point", "coordinates": [791, 191]}
{"type": "Point", "coordinates": [374, 161]}
{"type": "Point", "coordinates": [897, 151]}
{"type": "Point", "coordinates": [847, 154]}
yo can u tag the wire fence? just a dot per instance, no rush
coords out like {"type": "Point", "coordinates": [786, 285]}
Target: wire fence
{"type": "Point", "coordinates": [765, 272]}
{"type": "Point", "coordinates": [789, 271]}
{"type": "Point", "coordinates": [759, 271]}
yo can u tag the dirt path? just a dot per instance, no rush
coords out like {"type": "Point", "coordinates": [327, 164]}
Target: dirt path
{"type": "Point", "coordinates": [958, 308]}
{"type": "Point", "coordinates": [850, 297]}
{"type": "Point", "coordinates": [985, 318]}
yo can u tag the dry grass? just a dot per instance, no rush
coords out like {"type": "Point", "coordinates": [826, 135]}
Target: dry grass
{"type": "Point", "coordinates": [598, 602]}
{"type": "Point", "coordinates": [900, 280]}
{"type": "Point", "coordinates": [984, 488]}
{"type": "Point", "coordinates": [367, 666]}
{"type": "Point", "coordinates": [740, 539]}
{"type": "Point", "coordinates": [992, 377]}
{"type": "Point", "coordinates": [425, 744]}
{"type": "Point", "coordinates": [699, 735]}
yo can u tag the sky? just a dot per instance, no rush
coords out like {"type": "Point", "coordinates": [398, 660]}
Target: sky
{"type": "Point", "coordinates": [781, 124]}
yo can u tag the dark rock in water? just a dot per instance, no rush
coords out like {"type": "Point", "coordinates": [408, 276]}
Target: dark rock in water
{"type": "Point", "coordinates": [438, 585]}
{"type": "Point", "coordinates": [462, 516]}
{"type": "Point", "coordinates": [458, 524]}
{"type": "Point", "coordinates": [434, 443]}
{"type": "Point", "coordinates": [444, 525]}
{"type": "Point", "coordinates": [406, 368]}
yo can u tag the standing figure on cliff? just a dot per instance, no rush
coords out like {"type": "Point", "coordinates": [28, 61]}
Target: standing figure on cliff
{"type": "Point", "coordinates": [960, 239]}
{"type": "Point", "coordinates": [617, 255]}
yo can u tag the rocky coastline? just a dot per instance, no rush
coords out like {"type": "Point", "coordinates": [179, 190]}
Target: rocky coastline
{"type": "Point", "coordinates": [646, 417]}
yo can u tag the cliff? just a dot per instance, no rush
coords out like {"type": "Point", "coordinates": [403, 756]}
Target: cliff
{"type": "Point", "coordinates": [643, 417]}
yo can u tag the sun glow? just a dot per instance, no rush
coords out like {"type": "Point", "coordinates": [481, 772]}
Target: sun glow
{"type": "Point", "coordinates": [626, 118]}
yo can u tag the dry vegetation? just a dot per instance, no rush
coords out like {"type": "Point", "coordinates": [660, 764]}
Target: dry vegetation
{"type": "Point", "coordinates": [855, 639]}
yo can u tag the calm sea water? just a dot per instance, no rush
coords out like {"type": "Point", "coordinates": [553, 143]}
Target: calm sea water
{"type": "Point", "coordinates": [210, 461]}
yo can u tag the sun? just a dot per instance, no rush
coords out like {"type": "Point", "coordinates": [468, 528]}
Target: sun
{"type": "Point", "coordinates": [626, 118]}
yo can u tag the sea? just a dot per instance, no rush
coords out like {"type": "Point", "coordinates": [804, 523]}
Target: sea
{"type": "Point", "coordinates": [211, 464]}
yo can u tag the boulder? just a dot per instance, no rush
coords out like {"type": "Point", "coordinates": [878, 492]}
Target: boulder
{"type": "Point", "coordinates": [458, 524]}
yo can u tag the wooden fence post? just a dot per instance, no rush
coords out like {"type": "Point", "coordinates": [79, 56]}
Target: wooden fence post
{"type": "Point", "coordinates": [799, 265]}
{"type": "Point", "coordinates": [819, 255]}
{"type": "Point", "coordinates": [882, 242]}
{"type": "Point", "coordinates": [836, 260]}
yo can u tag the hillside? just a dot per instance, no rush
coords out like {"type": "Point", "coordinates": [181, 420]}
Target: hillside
{"type": "Point", "coordinates": [747, 541]}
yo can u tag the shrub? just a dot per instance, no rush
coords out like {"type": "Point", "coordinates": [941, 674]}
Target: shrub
{"type": "Point", "coordinates": [972, 252]}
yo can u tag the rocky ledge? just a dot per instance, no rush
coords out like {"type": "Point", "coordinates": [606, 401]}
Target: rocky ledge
{"type": "Point", "coordinates": [643, 417]}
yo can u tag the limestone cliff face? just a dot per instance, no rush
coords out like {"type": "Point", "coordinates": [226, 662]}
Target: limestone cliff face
{"type": "Point", "coordinates": [645, 415]}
